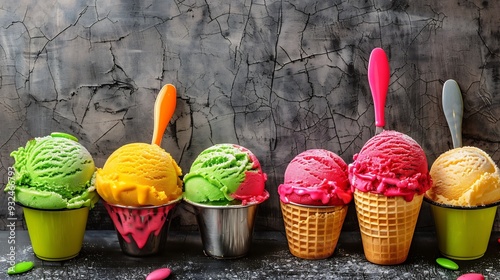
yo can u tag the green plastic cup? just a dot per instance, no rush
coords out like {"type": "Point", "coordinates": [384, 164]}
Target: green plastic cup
{"type": "Point", "coordinates": [56, 235]}
{"type": "Point", "coordinates": [463, 233]}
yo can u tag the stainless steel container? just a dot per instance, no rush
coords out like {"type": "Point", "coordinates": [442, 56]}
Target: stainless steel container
{"type": "Point", "coordinates": [226, 231]}
{"type": "Point", "coordinates": [141, 231]}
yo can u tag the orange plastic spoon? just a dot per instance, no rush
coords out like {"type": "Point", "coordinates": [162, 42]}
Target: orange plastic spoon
{"type": "Point", "coordinates": [163, 111]}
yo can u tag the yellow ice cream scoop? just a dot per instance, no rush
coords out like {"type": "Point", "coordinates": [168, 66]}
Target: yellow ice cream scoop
{"type": "Point", "coordinates": [139, 174]}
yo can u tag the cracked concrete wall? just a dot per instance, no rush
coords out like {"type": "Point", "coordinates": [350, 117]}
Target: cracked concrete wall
{"type": "Point", "coordinates": [277, 77]}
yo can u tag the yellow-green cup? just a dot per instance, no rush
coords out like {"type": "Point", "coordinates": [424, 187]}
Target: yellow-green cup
{"type": "Point", "coordinates": [463, 233]}
{"type": "Point", "coordinates": [56, 235]}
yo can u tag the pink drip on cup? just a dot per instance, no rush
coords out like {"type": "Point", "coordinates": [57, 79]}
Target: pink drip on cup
{"type": "Point", "coordinates": [141, 231]}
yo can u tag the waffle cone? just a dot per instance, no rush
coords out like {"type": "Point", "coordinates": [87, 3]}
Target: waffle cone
{"type": "Point", "coordinates": [387, 225]}
{"type": "Point", "coordinates": [312, 232]}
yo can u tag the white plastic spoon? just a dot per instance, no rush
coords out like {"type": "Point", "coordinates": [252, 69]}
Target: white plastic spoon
{"type": "Point", "coordinates": [453, 110]}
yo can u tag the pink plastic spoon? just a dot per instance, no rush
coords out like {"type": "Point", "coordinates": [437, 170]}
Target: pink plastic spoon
{"type": "Point", "coordinates": [378, 78]}
{"type": "Point", "coordinates": [163, 111]}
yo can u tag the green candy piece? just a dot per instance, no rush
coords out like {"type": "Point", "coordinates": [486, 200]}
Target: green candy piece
{"type": "Point", "coordinates": [64, 135]}
{"type": "Point", "coordinates": [20, 268]}
{"type": "Point", "coordinates": [447, 263]}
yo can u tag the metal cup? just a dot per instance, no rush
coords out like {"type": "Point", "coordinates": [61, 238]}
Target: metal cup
{"type": "Point", "coordinates": [226, 231]}
{"type": "Point", "coordinates": [141, 231]}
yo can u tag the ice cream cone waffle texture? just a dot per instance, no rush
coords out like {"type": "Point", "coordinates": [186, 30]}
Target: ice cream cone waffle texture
{"type": "Point", "coordinates": [312, 232]}
{"type": "Point", "coordinates": [387, 225]}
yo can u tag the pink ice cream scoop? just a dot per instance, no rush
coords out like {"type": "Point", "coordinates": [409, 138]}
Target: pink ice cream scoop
{"type": "Point", "coordinates": [316, 177]}
{"type": "Point", "coordinates": [392, 164]}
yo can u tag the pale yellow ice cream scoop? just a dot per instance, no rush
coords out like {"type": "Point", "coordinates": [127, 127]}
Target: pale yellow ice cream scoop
{"type": "Point", "coordinates": [465, 176]}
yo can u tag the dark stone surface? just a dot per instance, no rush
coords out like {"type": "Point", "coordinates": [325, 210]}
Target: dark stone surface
{"type": "Point", "coordinates": [269, 258]}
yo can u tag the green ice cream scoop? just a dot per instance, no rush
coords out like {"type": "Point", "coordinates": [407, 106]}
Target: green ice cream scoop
{"type": "Point", "coordinates": [54, 172]}
{"type": "Point", "coordinates": [225, 174]}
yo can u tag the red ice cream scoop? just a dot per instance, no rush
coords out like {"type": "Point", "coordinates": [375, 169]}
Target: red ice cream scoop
{"type": "Point", "coordinates": [392, 164]}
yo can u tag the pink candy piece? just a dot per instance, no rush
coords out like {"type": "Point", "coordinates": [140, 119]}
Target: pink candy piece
{"type": "Point", "coordinates": [159, 274]}
{"type": "Point", "coordinates": [471, 276]}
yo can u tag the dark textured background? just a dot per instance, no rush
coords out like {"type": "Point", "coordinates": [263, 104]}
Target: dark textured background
{"type": "Point", "coordinates": [277, 77]}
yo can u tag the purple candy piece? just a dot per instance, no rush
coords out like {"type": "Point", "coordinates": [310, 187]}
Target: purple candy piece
{"type": "Point", "coordinates": [471, 276]}
{"type": "Point", "coordinates": [159, 274]}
